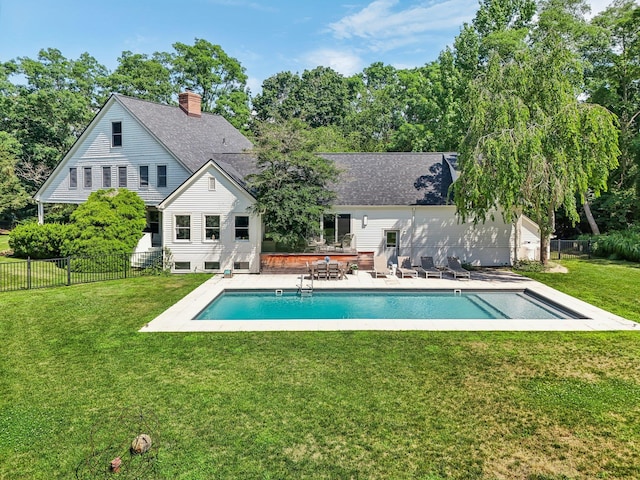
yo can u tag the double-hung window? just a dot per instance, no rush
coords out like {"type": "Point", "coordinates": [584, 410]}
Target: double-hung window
{"type": "Point", "coordinates": [122, 176]}
{"type": "Point", "coordinates": [144, 177]}
{"type": "Point", "coordinates": [212, 227]}
{"type": "Point", "coordinates": [242, 227]}
{"type": "Point", "coordinates": [106, 177]}
{"type": "Point", "coordinates": [73, 178]}
{"type": "Point", "coordinates": [162, 176]}
{"type": "Point", "coordinates": [88, 181]}
{"type": "Point", "coordinates": [116, 134]}
{"type": "Point", "coordinates": [183, 227]}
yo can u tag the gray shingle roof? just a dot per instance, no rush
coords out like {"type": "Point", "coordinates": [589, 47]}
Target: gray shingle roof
{"type": "Point", "coordinates": [393, 178]}
{"type": "Point", "coordinates": [366, 178]}
{"type": "Point", "coordinates": [192, 140]}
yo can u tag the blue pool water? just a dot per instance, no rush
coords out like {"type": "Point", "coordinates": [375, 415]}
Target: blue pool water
{"type": "Point", "coordinates": [267, 305]}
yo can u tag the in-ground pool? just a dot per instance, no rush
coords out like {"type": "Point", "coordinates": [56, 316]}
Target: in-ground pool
{"type": "Point", "coordinates": [379, 304]}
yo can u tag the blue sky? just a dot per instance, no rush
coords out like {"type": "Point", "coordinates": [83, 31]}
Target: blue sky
{"type": "Point", "coordinates": [267, 37]}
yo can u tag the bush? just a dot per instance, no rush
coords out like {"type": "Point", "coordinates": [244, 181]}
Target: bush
{"type": "Point", "coordinates": [109, 222]}
{"type": "Point", "coordinates": [38, 241]}
{"type": "Point", "coordinates": [529, 266]}
{"type": "Point", "coordinates": [623, 245]}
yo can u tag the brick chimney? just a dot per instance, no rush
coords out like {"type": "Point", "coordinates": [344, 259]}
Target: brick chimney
{"type": "Point", "coordinates": [190, 103]}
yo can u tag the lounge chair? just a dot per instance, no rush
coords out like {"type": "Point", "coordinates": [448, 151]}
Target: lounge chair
{"type": "Point", "coordinates": [380, 267]}
{"type": "Point", "coordinates": [404, 268]}
{"type": "Point", "coordinates": [427, 268]}
{"type": "Point", "coordinates": [454, 267]}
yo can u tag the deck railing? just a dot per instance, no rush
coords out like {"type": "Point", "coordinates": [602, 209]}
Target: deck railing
{"type": "Point", "coordinates": [53, 272]}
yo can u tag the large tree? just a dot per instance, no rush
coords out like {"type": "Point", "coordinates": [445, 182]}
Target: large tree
{"type": "Point", "coordinates": [291, 188]}
{"type": "Point", "coordinates": [218, 78]}
{"type": "Point", "coordinates": [141, 76]}
{"type": "Point", "coordinates": [532, 145]}
{"type": "Point", "coordinates": [13, 195]}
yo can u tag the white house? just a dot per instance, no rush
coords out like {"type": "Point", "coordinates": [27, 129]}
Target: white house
{"type": "Point", "coordinates": [189, 167]}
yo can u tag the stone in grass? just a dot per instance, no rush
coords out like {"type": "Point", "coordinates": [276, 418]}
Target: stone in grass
{"type": "Point", "coordinates": [141, 444]}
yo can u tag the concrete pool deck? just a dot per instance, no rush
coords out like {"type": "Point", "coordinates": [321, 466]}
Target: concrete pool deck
{"type": "Point", "coordinates": [178, 318]}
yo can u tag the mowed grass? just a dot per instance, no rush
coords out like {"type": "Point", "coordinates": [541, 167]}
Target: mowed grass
{"type": "Point", "coordinates": [76, 377]}
{"type": "Point", "coordinates": [4, 242]}
{"type": "Point", "coordinates": [611, 285]}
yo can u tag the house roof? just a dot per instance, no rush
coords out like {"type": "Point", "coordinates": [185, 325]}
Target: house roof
{"type": "Point", "coordinates": [382, 179]}
{"type": "Point", "coordinates": [193, 140]}
{"type": "Point", "coordinates": [387, 179]}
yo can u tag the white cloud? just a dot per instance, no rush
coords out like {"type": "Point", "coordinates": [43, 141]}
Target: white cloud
{"type": "Point", "coordinates": [385, 28]}
{"type": "Point", "coordinates": [344, 62]}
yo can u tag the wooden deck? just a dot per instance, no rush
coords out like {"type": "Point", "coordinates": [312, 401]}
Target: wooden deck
{"type": "Point", "coordinates": [297, 262]}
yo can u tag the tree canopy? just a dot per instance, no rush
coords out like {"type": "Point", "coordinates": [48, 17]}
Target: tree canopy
{"type": "Point", "coordinates": [532, 145]}
{"type": "Point", "coordinates": [292, 187]}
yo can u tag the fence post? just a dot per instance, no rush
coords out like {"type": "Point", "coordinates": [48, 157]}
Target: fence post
{"type": "Point", "coordinates": [28, 273]}
{"type": "Point", "coordinates": [68, 271]}
{"type": "Point", "coordinates": [589, 249]}
{"type": "Point", "coordinates": [124, 264]}
{"type": "Point", "coordinates": [559, 248]}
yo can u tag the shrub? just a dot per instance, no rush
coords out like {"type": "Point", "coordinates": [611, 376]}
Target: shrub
{"type": "Point", "coordinates": [529, 266]}
{"type": "Point", "coordinates": [109, 222]}
{"type": "Point", "coordinates": [623, 245]}
{"type": "Point", "coordinates": [38, 241]}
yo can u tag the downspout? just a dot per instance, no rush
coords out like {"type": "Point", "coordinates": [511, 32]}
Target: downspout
{"type": "Point", "coordinates": [413, 227]}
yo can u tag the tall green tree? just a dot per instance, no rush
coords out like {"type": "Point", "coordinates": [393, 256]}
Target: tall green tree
{"type": "Point", "coordinates": [323, 97]}
{"type": "Point", "coordinates": [49, 111]}
{"type": "Point", "coordinates": [532, 146]}
{"type": "Point", "coordinates": [278, 99]}
{"type": "Point", "coordinates": [13, 196]}
{"type": "Point", "coordinates": [219, 79]}
{"type": "Point", "coordinates": [291, 188]}
{"type": "Point", "coordinates": [614, 81]}
{"type": "Point", "coordinates": [140, 76]}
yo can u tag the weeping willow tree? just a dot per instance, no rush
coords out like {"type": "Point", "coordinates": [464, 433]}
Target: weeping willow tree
{"type": "Point", "coordinates": [532, 146]}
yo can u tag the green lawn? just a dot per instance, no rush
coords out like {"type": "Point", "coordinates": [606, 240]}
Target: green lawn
{"type": "Point", "coordinates": [4, 242]}
{"type": "Point", "coordinates": [77, 382]}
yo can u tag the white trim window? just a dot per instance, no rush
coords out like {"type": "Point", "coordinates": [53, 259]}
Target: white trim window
{"type": "Point", "coordinates": [211, 225]}
{"type": "Point", "coordinates": [106, 177]}
{"type": "Point", "coordinates": [73, 178]}
{"type": "Point", "coordinates": [144, 177]}
{"type": "Point", "coordinates": [122, 176]}
{"type": "Point", "coordinates": [161, 176]}
{"type": "Point", "coordinates": [116, 134]}
{"type": "Point", "coordinates": [182, 225]}
{"type": "Point", "coordinates": [88, 179]}
{"type": "Point", "coordinates": [212, 184]}
{"type": "Point", "coordinates": [242, 227]}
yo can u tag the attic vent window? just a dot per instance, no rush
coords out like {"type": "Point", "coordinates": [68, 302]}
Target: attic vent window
{"type": "Point", "coordinates": [212, 183]}
{"type": "Point", "coordinates": [116, 134]}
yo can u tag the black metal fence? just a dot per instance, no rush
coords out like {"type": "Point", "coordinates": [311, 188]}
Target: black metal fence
{"type": "Point", "coordinates": [567, 249]}
{"type": "Point", "coordinates": [53, 272]}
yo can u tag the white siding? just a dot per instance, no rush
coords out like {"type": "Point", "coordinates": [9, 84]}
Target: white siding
{"type": "Point", "coordinates": [227, 200]}
{"type": "Point", "coordinates": [433, 231]}
{"type": "Point", "coordinates": [94, 150]}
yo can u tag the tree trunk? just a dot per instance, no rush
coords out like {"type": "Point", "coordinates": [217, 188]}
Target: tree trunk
{"type": "Point", "coordinates": [592, 221]}
{"type": "Point", "coordinates": [544, 248]}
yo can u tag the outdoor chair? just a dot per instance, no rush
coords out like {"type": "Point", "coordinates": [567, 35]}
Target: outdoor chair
{"type": "Point", "coordinates": [454, 267]}
{"type": "Point", "coordinates": [427, 268]}
{"type": "Point", "coordinates": [322, 270]}
{"type": "Point", "coordinates": [380, 267]}
{"type": "Point", "coordinates": [316, 244]}
{"type": "Point", "coordinates": [333, 272]}
{"type": "Point", "coordinates": [404, 268]}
